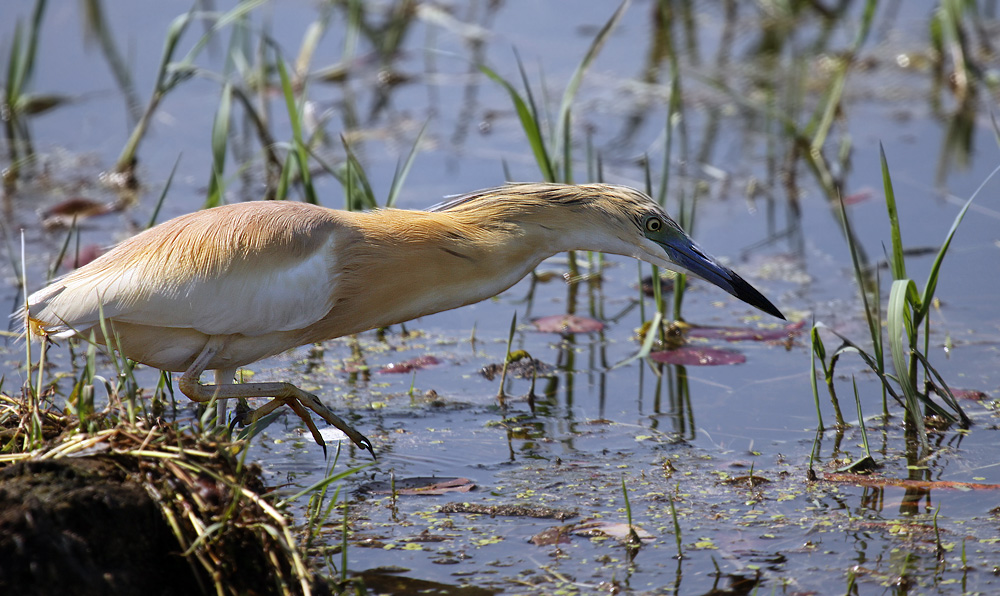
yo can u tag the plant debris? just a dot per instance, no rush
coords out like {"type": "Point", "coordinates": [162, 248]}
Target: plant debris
{"type": "Point", "coordinates": [137, 507]}
{"type": "Point", "coordinates": [419, 486]}
{"type": "Point", "coordinates": [509, 510]}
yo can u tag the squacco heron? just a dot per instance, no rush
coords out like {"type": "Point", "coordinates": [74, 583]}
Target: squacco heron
{"type": "Point", "coordinates": [221, 288]}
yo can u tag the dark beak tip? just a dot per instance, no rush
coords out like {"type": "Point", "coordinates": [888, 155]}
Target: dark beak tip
{"type": "Point", "coordinates": [749, 294]}
{"type": "Point", "coordinates": [764, 305]}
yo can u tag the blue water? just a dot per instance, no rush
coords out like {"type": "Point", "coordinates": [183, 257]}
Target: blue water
{"type": "Point", "coordinates": [594, 423]}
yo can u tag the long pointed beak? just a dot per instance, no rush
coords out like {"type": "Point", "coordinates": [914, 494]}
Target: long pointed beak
{"type": "Point", "coordinates": [688, 255]}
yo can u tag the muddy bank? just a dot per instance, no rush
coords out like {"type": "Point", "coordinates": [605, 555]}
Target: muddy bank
{"type": "Point", "coordinates": [80, 526]}
{"type": "Point", "coordinates": [146, 509]}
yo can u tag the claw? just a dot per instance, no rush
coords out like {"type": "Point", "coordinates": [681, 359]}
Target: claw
{"type": "Point", "coordinates": [301, 413]}
{"type": "Point", "coordinates": [246, 416]}
{"type": "Point", "coordinates": [281, 394]}
{"type": "Point", "coordinates": [243, 410]}
{"type": "Point", "coordinates": [313, 403]}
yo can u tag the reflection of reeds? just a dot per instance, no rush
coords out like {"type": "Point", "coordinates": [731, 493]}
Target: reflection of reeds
{"type": "Point", "coordinates": [18, 103]}
{"type": "Point", "coordinates": [97, 26]}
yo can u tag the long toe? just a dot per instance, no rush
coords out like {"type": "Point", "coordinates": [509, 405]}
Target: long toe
{"type": "Point", "coordinates": [304, 415]}
{"type": "Point", "coordinates": [313, 403]}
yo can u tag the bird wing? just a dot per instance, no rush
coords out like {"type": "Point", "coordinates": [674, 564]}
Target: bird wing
{"type": "Point", "coordinates": [252, 269]}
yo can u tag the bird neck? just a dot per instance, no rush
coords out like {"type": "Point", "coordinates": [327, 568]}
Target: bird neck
{"type": "Point", "coordinates": [398, 265]}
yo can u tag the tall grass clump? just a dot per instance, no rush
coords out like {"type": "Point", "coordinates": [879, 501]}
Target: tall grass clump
{"type": "Point", "coordinates": [907, 325]}
{"type": "Point", "coordinates": [550, 139]}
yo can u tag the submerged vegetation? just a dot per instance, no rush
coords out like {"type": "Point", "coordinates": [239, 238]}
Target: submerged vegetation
{"type": "Point", "coordinates": [774, 106]}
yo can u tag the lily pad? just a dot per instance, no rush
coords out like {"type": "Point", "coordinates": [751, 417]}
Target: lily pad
{"type": "Point", "coordinates": [692, 356]}
{"type": "Point", "coordinates": [864, 194]}
{"type": "Point", "coordinates": [524, 368]}
{"type": "Point", "coordinates": [567, 324]}
{"type": "Point", "coordinates": [666, 284]}
{"type": "Point", "coordinates": [88, 253]}
{"type": "Point", "coordinates": [62, 215]}
{"type": "Point", "coordinates": [551, 536]}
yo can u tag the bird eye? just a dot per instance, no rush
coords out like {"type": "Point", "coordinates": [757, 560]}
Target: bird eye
{"type": "Point", "coordinates": [653, 224]}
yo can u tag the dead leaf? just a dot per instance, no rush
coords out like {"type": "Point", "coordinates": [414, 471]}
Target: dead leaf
{"type": "Point", "coordinates": [610, 529]}
{"type": "Point", "coordinates": [551, 536]}
{"type": "Point", "coordinates": [420, 486]}
{"type": "Point", "coordinates": [410, 365]}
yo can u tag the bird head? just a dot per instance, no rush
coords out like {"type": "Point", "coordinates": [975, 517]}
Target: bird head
{"type": "Point", "coordinates": [657, 239]}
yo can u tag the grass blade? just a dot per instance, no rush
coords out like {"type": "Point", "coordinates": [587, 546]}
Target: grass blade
{"type": "Point", "coordinates": [901, 332]}
{"type": "Point", "coordinates": [174, 33]}
{"type": "Point", "coordinates": [220, 138]}
{"type": "Point", "coordinates": [873, 318]}
{"type": "Point", "coordinates": [529, 123]}
{"type": "Point", "coordinates": [163, 194]}
{"type": "Point", "coordinates": [297, 152]}
{"type": "Point", "coordinates": [896, 261]}
{"type": "Point", "coordinates": [356, 171]}
{"type": "Point", "coordinates": [932, 277]}
{"type": "Point", "coordinates": [401, 172]}
{"type": "Point", "coordinates": [818, 351]}
{"type": "Point", "coordinates": [562, 136]}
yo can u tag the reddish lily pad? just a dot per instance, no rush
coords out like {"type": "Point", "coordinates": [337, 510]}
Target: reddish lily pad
{"type": "Point", "coordinates": [747, 334]}
{"type": "Point", "coordinates": [970, 394]}
{"type": "Point", "coordinates": [567, 324]}
{"type": "Point", "coordinates": [410, 365]}
{"type": "Point", "coordinates": [692, 356]}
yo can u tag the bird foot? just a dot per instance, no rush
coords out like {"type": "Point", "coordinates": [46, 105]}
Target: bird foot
{"type": "Point", "coordinates": [245, 416]}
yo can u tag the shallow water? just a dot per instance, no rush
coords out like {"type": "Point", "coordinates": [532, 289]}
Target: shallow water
{"type": "Point", "coordinates": [672, 435]}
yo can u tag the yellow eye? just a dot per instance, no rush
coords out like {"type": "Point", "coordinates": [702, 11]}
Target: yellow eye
{"type": "Point", "coordinates": [653, 224]}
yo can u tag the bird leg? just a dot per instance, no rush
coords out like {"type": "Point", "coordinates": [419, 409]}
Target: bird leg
{"type": "Point", "coordinates": [286, 393]}
{"type": "Point", "coordinates": [282, 393]}
{"type": "Point", "coordinates": [223, 377]}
